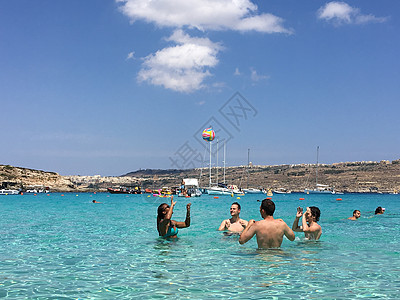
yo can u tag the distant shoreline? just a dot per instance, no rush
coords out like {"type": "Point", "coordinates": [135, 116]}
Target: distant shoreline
{"type": "Point", "coordinates": [348, 177]}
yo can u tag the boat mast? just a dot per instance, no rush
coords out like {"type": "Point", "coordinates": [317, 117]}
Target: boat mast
{"type": "Point", "coordinates": [224, 158]}
{"type": "Point", "coordinates": [316, 170]}
{"type": "Point", "coordinates": [248, 166]}
{"type": "Point", "coordinates": [217, 161]}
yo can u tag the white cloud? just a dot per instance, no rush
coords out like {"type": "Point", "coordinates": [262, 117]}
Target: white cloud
{"type": "Point", "coordinates": [237, 72]}
{"type": "Point", "coordinates": [257, 77]}
{"type": "Point", "coordinates": [182, 67]}
{"type": "Point", "coordinates": [341, 13]}
{"type": "Point", "coordinates": [131, 55]}
{"type": "Point", "coordinates": [239, 15]}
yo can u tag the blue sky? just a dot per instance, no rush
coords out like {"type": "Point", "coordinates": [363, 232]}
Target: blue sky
{"type": "Point", "coordinates": [108, 87]}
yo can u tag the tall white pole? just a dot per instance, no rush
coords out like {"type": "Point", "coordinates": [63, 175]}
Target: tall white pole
{"type": "Point", "coordinates": [224, 159]}
{"type": "Point", "coordinates": [316, 172]}
{"type": "Point", "coordinates": [210, 164]}
{"type": "Point", "coordinates": [217, 161]}
{"type": "Point", "coordinates": [248, 166]}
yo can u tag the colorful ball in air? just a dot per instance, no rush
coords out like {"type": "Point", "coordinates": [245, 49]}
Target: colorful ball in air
{"type": "Point", "coordinates": [208, 134]}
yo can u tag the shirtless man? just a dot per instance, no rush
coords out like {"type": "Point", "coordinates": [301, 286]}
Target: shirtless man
{"type": "Point", "coordinates": [269, 232]}
{"type": "Point", "coordinates": [234, 224]}
{"type": "Point", "coordinates": [356, 215]}
{"type": "Point", "coordinates": [312, 230]}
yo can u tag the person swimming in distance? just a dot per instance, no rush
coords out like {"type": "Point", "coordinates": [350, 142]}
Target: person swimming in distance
{"type": "Point", "coordinates": [356, 215]}
{"type": "Point", "coordinates": [312, 230]}
{"type": "Point", "coordinates": [167, 227]}
{"type": "Point", "coordinates": [235, 224]}
{"type": "Point", "coordinates": [379, 210]}
{"type": "Point", "coordinates": [269, 231]}
{"type": "Point", "coordinates": [94, 201]}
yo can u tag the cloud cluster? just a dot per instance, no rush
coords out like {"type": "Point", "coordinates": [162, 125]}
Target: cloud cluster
{"type": "Point", "coordinates": [341, 13]}
{"type": "Point", "coordinates": [238, 15]}
{"type": "Point", "coordinates": [182, 67]}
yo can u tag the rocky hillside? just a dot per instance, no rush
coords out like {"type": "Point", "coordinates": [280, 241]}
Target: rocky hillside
{"type": "Point", "coordinates": [23, 178]}
{"type": "Point", "coordinates": [359, 177]}
{"type": "Point", "coordinates": [355, 177]}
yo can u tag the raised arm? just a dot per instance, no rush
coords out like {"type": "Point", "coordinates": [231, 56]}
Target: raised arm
{"type": "Point", "coordinates": [248, 232]}
{"type": "Point", "coordinates": [295, 226]}
{"type": "Point", "coordinates": [304, 224]}
{"type": "Point", "coordinates": [187, 220]}
{"type": "Point", "coordinates": [289, 233]}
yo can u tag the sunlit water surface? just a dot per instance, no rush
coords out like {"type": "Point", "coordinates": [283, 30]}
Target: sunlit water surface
{"type": "Point", "coordinates": [66, 247]}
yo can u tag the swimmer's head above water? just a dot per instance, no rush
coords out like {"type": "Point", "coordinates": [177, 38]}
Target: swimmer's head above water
{"type": "Point", "coordinates": [235, 209]}
{"type": "Point", "coordinates": [356, 214]}
{"type": "Point", "coordinates": [162, 210]}
{"type": "Point", "coordinates": [315, 213]}
{"type": "Point", "coordinates": [268, 207]}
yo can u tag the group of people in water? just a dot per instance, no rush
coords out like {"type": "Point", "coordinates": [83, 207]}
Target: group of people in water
{"type": "Point", "coordinates": [357, 214]}
{"type": "Point", "coordinates": [269, 231]}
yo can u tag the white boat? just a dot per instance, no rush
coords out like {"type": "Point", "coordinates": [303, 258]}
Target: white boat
{"type": "Point", "coordinates": [254, 191]}
{"type": "Point", "coordinates": [224, 190]}
{"type": "Point", "coordinates": [216, 190]}
{"type": "Point", "coordinates": [36, 189]}
{"type": "Point", "coordinates": [319, 188]}
{"type": "Point", "coordinates": [191, 188]}
{"type": "Point", "coordinates": [8, 192]}
{"type": "Point", "coordinates": [282, 191]}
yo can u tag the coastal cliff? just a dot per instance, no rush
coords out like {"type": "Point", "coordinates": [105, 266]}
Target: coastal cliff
{"type": "Point", "coordinates": [357, 177]}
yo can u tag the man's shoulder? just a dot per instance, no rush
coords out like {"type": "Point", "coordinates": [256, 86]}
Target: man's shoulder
{"type": "Point", "coordinates": [280, 221]}
{"type": "Point", "coordinates": [316, 227]}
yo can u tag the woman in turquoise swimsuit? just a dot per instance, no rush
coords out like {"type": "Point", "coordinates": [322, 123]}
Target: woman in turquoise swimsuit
{"type": "Point", "coordinates": [167, 227]}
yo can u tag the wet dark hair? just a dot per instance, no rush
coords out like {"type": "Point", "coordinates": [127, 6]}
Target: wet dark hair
{"type": "Point", "coordinates": [236, 204]}
{"type": "Point", "coordinates": [378, 210]}
{"type": "Point", "coordinates": [315, 212]}
{"type": "Point", "coordinates": [160, 211]}
{"type": "Point", "coordinates": [356, 210]}
{"type": "Point", "coordinates": [268, 206]}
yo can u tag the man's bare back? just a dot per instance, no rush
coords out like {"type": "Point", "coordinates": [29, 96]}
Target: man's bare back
{"type": "Point", "coordinates": [269, 232]}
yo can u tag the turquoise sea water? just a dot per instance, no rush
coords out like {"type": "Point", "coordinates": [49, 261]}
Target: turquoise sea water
{"type": "Point", "coordinates": [66, 247]}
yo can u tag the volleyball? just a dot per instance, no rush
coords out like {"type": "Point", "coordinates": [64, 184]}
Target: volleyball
{"type": "Point", "coordinates": [208, 134]}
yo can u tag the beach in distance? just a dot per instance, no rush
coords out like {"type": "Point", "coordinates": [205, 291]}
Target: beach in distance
{"type": "Point", "coordinates": [64, 246]}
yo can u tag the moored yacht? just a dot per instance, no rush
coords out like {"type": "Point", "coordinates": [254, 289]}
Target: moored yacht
{"type": "Point", "coordinates": [8, 192]}
{"type": "Point", "coordinates": [254, 191]}
{"type": "Point", "coordinates": [319, 188]}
